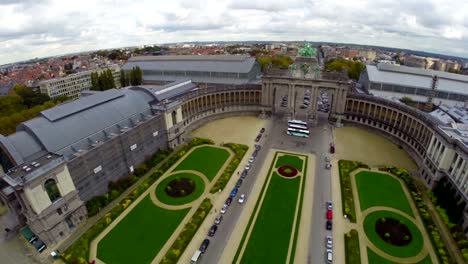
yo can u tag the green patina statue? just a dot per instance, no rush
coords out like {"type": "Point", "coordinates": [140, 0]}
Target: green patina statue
{"type": "Point", "coordinates": [307, 51]}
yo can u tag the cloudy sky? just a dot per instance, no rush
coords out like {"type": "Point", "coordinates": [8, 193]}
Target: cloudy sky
{"type": "Point", "coordinates": [38, 28]}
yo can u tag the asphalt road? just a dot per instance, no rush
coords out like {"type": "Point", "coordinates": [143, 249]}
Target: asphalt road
{"type": "Point", "coordinates": [317, 143]}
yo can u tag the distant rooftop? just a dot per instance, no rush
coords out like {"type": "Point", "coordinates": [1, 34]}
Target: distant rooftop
{"type": "Point", "coordinates": [418, 78]}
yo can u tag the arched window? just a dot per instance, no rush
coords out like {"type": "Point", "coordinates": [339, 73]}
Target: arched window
{"type": "Point", "coordinates": [52, 190]}
{"type": "Point", "coordinates": [174, 117]}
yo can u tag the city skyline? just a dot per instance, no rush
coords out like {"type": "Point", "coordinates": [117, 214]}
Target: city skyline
{"type": "Point", "coordinates": [31, 29]}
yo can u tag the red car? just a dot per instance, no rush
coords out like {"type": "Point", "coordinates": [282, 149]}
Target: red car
{"type": "Point", "coordinates": [329, 214]}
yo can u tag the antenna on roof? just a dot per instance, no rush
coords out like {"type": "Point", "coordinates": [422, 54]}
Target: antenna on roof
{"type": "Point", "coordinates": [429, 105]}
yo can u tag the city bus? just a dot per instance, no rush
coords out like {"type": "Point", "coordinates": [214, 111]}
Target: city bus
{"type": "Point", "coordinates": [297, 126]}
{"type": "Point", "coordinates": [297, 122]}
{"type": "Point", "coordinates": [298, 132]}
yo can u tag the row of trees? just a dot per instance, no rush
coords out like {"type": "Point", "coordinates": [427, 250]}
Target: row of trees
{"type": "Point", "coordinates": [102, 81]}
{"type": "Point", "coordinates": [354, 68]}
{"type": "Point", "coordinates": [132, 77]}
{"type": "Point", "coordinates": [21, 106]}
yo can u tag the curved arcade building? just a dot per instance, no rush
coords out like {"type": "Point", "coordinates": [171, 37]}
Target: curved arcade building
{"type": "Point", "coordinates": [67, 155]}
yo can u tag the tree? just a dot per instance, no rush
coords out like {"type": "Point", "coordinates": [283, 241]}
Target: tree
{"type": "Point", "coordinates": [406, 100]}
{"type": "Point", "coordinates": [94, 82]}
{"type": "Point", "coordinates": [29, 97]}
{"type": "Point", "coordinates": [354, 68]}
{"type": "Point", "coordinates": [122, 78]}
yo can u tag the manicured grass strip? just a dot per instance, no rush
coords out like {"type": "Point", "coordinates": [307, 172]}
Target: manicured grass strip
{"type": "Point", "coordinates": [206, 159]}
{"type": "Point", "coordinates": [352, 251]}
{"type": "Point", "coordinates": [298, 224]}
{"type": "Point", "coordinates": [377, 189]}
{"type": "Point", "coordinates": [375, 258]}
{"type": "Point", "coordinates": [270, 237]}
{"type": "Point", "coordinates": [239, 152]}
{"type": "Point", "coordinates": [165, 198]}
{"type": "Point", "coordinates": [410, 250]}
{"type": "Point", "coordinates": [291, 160]}
{"type": "Point", "coordinates": [78, 252]}
{"type": "Point", "coordinates": [178, 247]}
{"type": "Point", "coordinates": [257, 204]}
{"type": "Point", "coordinates": [143, 232]}
{"type": "Point", "coordinates": [345, 168]}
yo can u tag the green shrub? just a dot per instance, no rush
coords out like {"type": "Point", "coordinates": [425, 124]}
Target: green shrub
{"type": "Point", "coordinates": [78, 252]}
{"type": "Point", "coordinates": [186, 235]}
{"type": "Point", "coordinates": [352, 251]}
{"type": "Point", "coordinates": [239, 152]}
{"type": "Point", "coordinates": [345, 168]}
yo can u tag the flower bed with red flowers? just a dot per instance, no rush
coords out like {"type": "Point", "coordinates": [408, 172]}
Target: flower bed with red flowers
{"type": "Point", "coordinates": [287, 171]}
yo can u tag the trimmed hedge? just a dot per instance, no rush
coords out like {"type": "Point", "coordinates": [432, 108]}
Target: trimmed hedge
{"type": "Point", "coordinates": [431, 228]}
{"type": "Point", "coordinates": [78, 252]}
{"type": "Point", "coordinates": [345, 167]}
{"type": "Point", "coordinates": [239, 152]}
{"type": "Point", "coordinates": [186, 235]}
{"type": "Point", "coordinates": [455, 230]}
{"type": "Point", "coordinates": [352, 251]}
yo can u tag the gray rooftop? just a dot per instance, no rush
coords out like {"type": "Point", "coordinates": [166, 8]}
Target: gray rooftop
{"type": "Point", "coordinates": [418, 78]}
{"type": "Point", "coordinates": [170, 90]}
{"type": "Point", "coordinates": [208, 63]}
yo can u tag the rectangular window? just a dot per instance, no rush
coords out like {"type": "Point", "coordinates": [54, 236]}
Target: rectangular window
{"type": "Point", "coordinates": [133, 147]}
{"type": "Point", "coordinates": [97, 169]}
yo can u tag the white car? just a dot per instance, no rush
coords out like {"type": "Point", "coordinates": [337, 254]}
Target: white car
{"type": "Point", "coordinates": [224, 209]}
{"type": "Point", "coordinates": [329, 241]}
{"type": "Point", "coordinates": [328, 166]}
{"type": "Point", "coordinates": [247, 167]}
{"type": "Point", "coordinates": [241, 199]}
{"type": "Point", "coordinates": [251, 159]}
{"type": "Point", "coordinates": [329, 205]}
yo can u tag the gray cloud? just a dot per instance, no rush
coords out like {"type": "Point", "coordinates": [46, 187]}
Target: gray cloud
{"type": "Point", "coordinates": [49, 27]}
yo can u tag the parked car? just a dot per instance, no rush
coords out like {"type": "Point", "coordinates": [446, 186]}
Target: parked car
{"type": "Point", "coordinates": [329, 225]}
{"type": "Point", "coordinates": [254, 154]}
{"type": "Point", "coordinates": [218, 219]}
{"type": "Point", "coordinates": [244, 174]}
{"type": "Point", "coordinates": [234, 192]}
{"type": "Point", "coordinates": [228, 201]}
{"type": "Point", "coordinates": [329, 256]}
{"type": "Point", "coordinates": [224, 209]}
{"type": "Point", "coordinates": [212, 231]}
{"type": "Point", "coordinates": [247, 167]}
{"type": "Point", "coordinates": [257, 148]}
{"type": "Point", "coordinates": [329, 205]}
{"type": "Point", "coordinates": [204, 245]}
{"type": "Point", "coordinates": [303, 106]}
{"type": "Point", "coordinates": [329, 241]}
{"type": "Point", "coordinates": [241, 199]}
{"type": "Point", "coordinates": [327, 158]}
{"type": "Point", "coordinates": [262, 130]}
{"type": "Point", "coordinates": [251, 159]}
{"type": "Point", "coordinates": [328, 166]}
{"type": "Point", "coordinates": [239, 183]}
{"type": "Point", "coordinates": [329, 214]}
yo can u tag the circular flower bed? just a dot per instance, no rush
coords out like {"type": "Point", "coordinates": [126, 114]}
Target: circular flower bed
{"type": "Point", "coordinates": [393, 231]}
{"type": "Point", "coordinates": [180, 187]}
{"type": "Point", "coordinates": [287, 171]}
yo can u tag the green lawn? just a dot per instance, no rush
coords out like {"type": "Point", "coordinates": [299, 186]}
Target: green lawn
{"type": "Point", "coordinates": [374, 258]}
{"type": "Point", "coordinates": [207, 160]}
{"type": "Point", "coordinates": [165, 198]}
{"type": "Point", "coordinates": [270, 237]}
{"type": "Point", "coordinates": [410, 250]}
{"type": "Point", "coordinates": [291, 160]}
{"type": "Point", "coordinates": [377, 189]}
{"type": "Point", "coordinates": [140, 235]}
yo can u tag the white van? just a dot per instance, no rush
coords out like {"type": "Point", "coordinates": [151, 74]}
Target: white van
{"type": "Point", "coordinates": [196, 257]}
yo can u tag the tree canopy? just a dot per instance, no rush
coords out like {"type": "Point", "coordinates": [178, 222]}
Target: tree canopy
{"type": "Point", "coordinates": [354, 68]}
{"type": "Point", "coordinates": [102, 81]}
{"type": "Point", "coordinates": [132, 77]}
{"type": "Point", "coordinates": [280, 61]}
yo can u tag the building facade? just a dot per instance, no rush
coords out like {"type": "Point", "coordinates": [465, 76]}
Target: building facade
{"type": "Point", "coordinates": [72, 85]}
